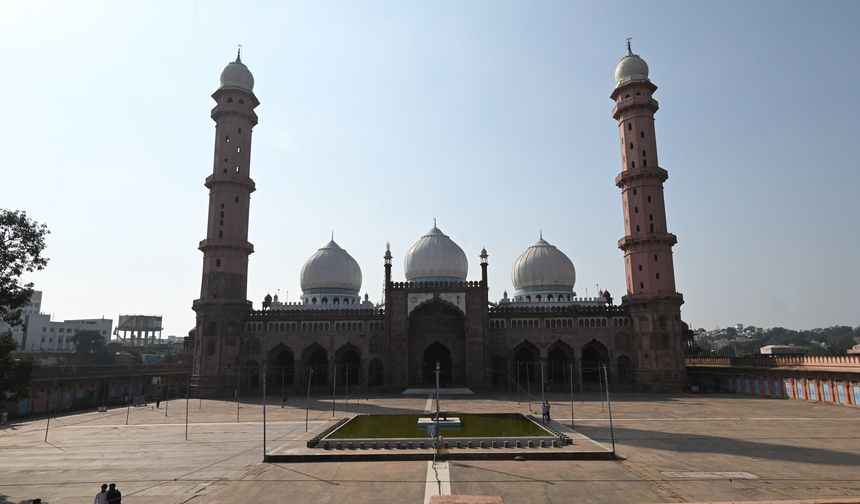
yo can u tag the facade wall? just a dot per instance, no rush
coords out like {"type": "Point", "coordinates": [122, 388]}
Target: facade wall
{"type": "Point", "coordinates": [833, 380]}
{"type": "Point", "coordinates": [68, 388]}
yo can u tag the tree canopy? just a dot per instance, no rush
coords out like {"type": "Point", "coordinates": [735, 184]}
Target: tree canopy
{"type": "Point", "coordinates": [22, 241]}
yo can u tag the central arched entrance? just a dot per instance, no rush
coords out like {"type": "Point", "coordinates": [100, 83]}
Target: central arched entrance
{"type": "Point", "coordinates": [436, 352]}
{"type": "Point", "coordinates": [437, 332]}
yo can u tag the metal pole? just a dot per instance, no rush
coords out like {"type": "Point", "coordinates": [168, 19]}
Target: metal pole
{"type": "Point", "coordinates": [438, 434]}
{"type": "Point", "coordinates": [308, 400]}
{"type": "Point", "coordinates": [572, 421]}
{"type": "Point", "coordinates": [265, 372]}
{"type": "Point", "coordinates": [600, 384]}
{"type": "Point", "coordinates": [581, 393]}
{"type": "Point", "coordinates": [166, 397]}
{"type": "Point", "coordinates": [542, 396]}
{"type": "Point", "coordinates": [529, 385]}
{"type": "Point", "coordinates": [346, 387]}
{"type": "Point", "coordinates": [334, 390]}
{"type": "Point", "coordinates": [238, 386]}
{"type": "Point", "coordinates": [187, 394]}
{"type": "Point", "coordinates": [519, 390]}
{"type": "Point", "coordinates": [611, 428]}
{"type": "Point", "coordinates": [48, 424]}
{"type": "Point", "coordinates": [130, 394]}
{"type": "Point", "coordinates": [283, 385]}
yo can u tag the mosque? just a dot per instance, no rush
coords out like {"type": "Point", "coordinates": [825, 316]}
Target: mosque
{"type": "Point", "coordinates": [543, 331]}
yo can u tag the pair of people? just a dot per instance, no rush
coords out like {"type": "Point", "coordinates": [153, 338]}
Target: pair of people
{"type": "Point", "coordinates": [545, 411]}
{"type": "Point", "coordinates": [109, 494]}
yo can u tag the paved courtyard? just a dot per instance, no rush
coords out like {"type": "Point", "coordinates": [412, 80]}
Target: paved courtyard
{"type": "Point", "coordinates": [674, 448]}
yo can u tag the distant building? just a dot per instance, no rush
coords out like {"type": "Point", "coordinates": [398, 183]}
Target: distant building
{"type": "Point", "coordinates": [855, 350]}
{"type": "Point", "coordinates": [782, 350]}
{"type": "Point", "coordinates": [41, 334]}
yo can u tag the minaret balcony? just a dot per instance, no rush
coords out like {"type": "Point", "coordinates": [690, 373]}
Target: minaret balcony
{"type": "Point", "coordinates": [627, 176]}
{"type": "Point", "coordinates": [225, 244]}
{"type": "Point", "coordinates": [631, 241]}
{"type": "Point", "coordinates": [227, 179]}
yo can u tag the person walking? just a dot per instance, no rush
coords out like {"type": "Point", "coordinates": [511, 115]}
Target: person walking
{"type": "Point", "coordinates": [114, 496]}
{"type": "Point", "coordinates": [548, 419]}
{"type": "Point", "coordinates": [543, 411]}
{"type": "Point", "coordinates": [101, 497]}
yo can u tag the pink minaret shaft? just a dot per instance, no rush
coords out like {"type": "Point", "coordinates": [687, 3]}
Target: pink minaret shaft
{"type": "Point", "coordinates": [647, 244]}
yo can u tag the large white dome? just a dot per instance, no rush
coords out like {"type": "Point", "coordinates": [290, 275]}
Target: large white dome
{"type": "Point", "coordinates": [542, 268]}
{"type": "Point", "coordinates": [435, 257]}
{"type": "Point", "coordinates": [237, 75]}
{"type": "Point", "coordinates": [331, 269]}
{"type": "Point", "coordinates": [631, 68]}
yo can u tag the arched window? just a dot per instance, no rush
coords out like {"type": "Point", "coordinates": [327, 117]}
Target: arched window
{"type": "Point", "coordinates": [324, 301]}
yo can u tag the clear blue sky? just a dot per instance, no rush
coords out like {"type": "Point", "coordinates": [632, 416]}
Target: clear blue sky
{"type": "Point", "coordinates": [493, 117]}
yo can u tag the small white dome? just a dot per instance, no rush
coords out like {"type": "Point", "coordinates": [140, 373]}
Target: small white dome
{"type": "Point", "coordinates": [631, 68]}
{"type": "Point", "coordinates": [331, 269]}
{"type": "Point", "coordinates": [237, 75]}
{"type": "Point", "coordinates": [543, 268]}
{"type": "Point", "coordinates": [435, 257]}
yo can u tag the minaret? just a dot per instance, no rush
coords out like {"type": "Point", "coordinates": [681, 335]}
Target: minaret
{"type": "Point", "coordinates": [651, 297]}
{"type": "Point", "coordinates": [224, 289]}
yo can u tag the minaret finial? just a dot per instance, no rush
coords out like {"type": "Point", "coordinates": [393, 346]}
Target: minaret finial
{"type": "Point", "coordinates": [629, 50]}
{"type": "Point", "coordinates": [239, 54]}
{"type": "Point", "coordinates": [332, 235]}
{"type": "Point", "coordinates": [541, 234]}
{"type": "Point", "coordinates": [434, 221]}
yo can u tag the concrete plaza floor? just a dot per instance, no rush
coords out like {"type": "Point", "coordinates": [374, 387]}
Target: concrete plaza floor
{"type": "Point", "coordinates": [674, 448]}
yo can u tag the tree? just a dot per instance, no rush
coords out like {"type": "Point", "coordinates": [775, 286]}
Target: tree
{"type": "Point", "coordinates": [90, 348]}
{"type": "Point", "coordinates": [22, 241]}
{"type": "Point", "coordinates": [15, 373]}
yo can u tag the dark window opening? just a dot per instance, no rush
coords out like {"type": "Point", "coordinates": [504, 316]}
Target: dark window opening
{"type": "Point", "coordinates": [220, 234]}
{"type": "Point", "coordinates": [241, 101]}
{"type": "Point", "coordinates": [637, 228]}
{"type": "Point", "coordinates": [632, 164]}
{"type": "Point", "coordinates": [640, 267]}
{"type": "Point", "coordinates": [649, 199]}
{"type": "Point", "coordinates": [229, 100]}
{"type": "Point", "coordinates": [634, 192]}
{"type": "Point", "coordinates": [217, 263]}
{"type": "Point", "coordinates": [636, 209]}
{"type": "Point", "coordinates": [222, 222]}
{"type": "Point", "coordinates": [631, 145]}
{"type": "Point", "coordinates": [237, 199]}
{"type": "Point", "coordinates": [641, 285]}
{"type": "Point", "coordinates": [652, 228]}
{"type": "Point", "coordinates": [629, 126]}
{"type": "Point", "coordinates": [240, 131]}
{"type": "Point", "coordinates": [650, 217]}
{"type": "Point", "coordinates": [222, 206]}
{"type": "Point", "coordinates": [658, 276]}
{"type": "Point", "coordinates": [644, 163]}
{"type": "Point", "coordinates": [643, 153]}
{"type": "Point", "coordinates": [225, 160]}
{"type": "Point", "coordinates": [638, 93]}
{"type": "Point", "coordinates": [655, 257]}
{"type": "Point", "coordinates": [642, 134]}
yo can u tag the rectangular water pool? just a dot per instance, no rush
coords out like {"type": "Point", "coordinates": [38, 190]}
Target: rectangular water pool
{"type": "Point", "coordinates": [473, 426]}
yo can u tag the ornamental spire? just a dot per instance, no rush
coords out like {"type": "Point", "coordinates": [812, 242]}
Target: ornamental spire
{"type": "Point", "coordinates": [629, 50]}
{"type": "Point", "coordinates": [239, 54]}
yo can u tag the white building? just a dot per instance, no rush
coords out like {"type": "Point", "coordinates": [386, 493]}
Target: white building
{"type": "Point", "coordinates": [41, 334]}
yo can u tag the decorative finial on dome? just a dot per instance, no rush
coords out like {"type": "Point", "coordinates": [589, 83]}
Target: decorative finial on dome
{"type": "Point", "coordinates": [332, 235]}
{"type": "Point", "coordinates": [434, 221]}
{"type": "Point", "coordinates": [541, 234]}
{"type": "Point", "coordinates": [629, 50]}
{"type": "Point", "coordinates": [239, 54]}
